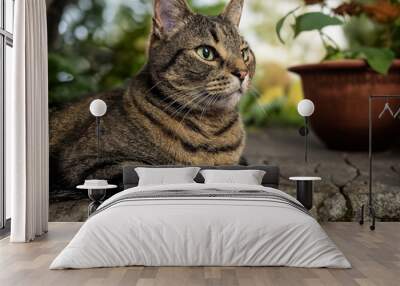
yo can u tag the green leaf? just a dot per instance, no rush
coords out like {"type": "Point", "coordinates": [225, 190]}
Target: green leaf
{"type": "Point", "coordinates": [314, 21]}
{"type": "Point", "coordinates": [379, 59]}
{"type": "Point", "coordinates": [338, 55]}
{"type": "Point", "coordinates": [280, 23]}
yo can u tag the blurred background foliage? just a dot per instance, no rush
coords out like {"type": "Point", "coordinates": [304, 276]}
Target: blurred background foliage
{"type": "Point", "coordinates": [97, 45]}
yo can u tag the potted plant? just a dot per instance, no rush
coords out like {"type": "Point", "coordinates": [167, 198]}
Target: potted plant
{"type": "Point", "coordinates": [341, 84]}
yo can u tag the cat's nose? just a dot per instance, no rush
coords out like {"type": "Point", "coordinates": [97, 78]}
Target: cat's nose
{"type": "Point", "coordinates": [240, 74]}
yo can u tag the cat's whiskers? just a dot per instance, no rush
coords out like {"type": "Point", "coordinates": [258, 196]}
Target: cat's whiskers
{"type": "Point", "coordinates": [256, 94]}
{"type": "Point", "coordinates": [252, 86]}
{"type": "Point", "coordinates": [154, 86]}
{"type": "Point", "coordinates": [179, 95]}
{"type": "Point", "coordinates": [204, 108]}
{"type": "Point", "coordinates": [199, 99]}
{"type": "Point", "coordinates": [194, 101]}
{"type": "Point", "coordinates": [195, 97]}
{"type": "Point", "coordinates": [203, 99]}
{"type": "Point", "coordinates": [209, 100]}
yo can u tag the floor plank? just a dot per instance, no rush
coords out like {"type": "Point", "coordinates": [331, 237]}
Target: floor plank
{"type": "Point", "coordinates": [375, 257]}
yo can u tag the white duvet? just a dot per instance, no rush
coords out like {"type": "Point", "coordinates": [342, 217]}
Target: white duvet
{"type": "Point", "coordinates": [200, 232]}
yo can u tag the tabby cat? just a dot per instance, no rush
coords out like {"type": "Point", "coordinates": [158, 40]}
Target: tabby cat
{"type": "Point", "coordinates": [180, 109]}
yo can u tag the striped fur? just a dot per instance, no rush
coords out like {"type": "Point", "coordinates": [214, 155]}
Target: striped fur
{"type": "Point", "coordinates": [180, 109]}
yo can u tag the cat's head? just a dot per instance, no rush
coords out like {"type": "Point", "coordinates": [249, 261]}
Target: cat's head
{"type": "Point", "coordinates": [200, 61]}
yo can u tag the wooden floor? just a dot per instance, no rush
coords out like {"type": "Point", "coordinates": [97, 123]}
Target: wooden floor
{"type": "Point", "coordinates": [375, 257]}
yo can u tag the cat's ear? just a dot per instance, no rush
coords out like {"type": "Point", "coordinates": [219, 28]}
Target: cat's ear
{"type": "Point", "coordinates": [169, 15]}
{"type": "Point", "coordinates": [233, 12]}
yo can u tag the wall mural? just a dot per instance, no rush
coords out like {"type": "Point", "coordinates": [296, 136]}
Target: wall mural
{"type": "Point", "coordinates": [188, 82]}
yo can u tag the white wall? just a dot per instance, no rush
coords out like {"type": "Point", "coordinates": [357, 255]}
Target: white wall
{"type": "Point", "coordinates": [8, 85]}
{"type": "Point", "coordinates": [9, 19]}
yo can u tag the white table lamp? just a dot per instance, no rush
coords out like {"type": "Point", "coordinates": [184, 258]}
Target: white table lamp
{"type": "Point", "coordinates": [98, 108]}
{"type": "Point", "coordinates": [306, 109]}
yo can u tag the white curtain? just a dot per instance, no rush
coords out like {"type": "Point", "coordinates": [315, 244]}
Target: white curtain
{"type": "Point", "coordinates": [27, 124]}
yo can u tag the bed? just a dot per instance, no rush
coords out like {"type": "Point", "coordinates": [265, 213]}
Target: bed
{"type": "Point", "coordinates": [201, 224]}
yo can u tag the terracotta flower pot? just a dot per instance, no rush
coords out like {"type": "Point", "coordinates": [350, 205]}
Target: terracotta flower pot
{"type": "Point", "coordinates": [340, 91]}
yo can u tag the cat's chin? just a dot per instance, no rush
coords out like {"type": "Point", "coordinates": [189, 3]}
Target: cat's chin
{"type": "Point", "coordinates": [230, 101]}
{"type": "Point", "coordinates": [235, 98]}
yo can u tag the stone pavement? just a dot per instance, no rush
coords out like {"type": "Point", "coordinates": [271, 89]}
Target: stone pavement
{"type": "Point", "coordinates": [344, 185]}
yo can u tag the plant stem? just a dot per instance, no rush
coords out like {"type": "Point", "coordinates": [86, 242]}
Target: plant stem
{"type": "Point", "coordinates": [332, 41]}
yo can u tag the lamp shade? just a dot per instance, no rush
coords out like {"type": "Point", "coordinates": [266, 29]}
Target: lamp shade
{"type": "Point", "coordinates": [305, 107]}
{"type": "Point", "coordinates": [98, 107]}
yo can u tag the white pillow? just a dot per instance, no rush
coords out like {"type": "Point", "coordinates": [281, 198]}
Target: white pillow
{"type": "Point", "coordinates": [166, 176]}
{"type": "Point", "coordinates": [246, 177]}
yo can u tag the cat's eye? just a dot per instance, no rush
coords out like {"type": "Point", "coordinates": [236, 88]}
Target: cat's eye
{"type": "Point", "coordinates": [206, 53]}
{"type": "Point", "coordinates": [246, 54]}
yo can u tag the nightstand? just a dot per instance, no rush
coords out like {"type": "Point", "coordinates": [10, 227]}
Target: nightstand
{"type": "Point", "coordinates": [304, 192]}
{"type": "Point", "coordinates": [96, 193]}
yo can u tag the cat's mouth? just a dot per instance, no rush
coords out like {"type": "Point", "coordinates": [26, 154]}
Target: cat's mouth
{"type": "Point", "coordinates": [229, 98]}
{"type": "Point", "coordinates": [233, 91]}
{"type": "Point", "coordinates": [238, 92]}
